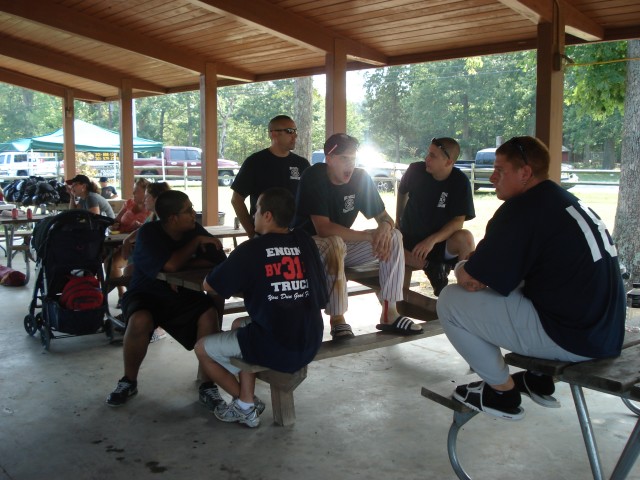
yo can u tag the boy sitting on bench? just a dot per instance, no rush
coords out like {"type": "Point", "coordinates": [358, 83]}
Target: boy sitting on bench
{"type": "Point", "coordinates": [282, 282]}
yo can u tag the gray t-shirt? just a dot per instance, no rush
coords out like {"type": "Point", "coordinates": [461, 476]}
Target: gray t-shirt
{"type": "Point", "coordinates": [96, 200]}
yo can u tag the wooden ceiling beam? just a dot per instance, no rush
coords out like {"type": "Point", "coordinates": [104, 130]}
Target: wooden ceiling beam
{"type": "Point", "coordinates": [67, 20]}
{"type": "Point", "coordinates": [72, 66]}
{"type": "Point", "coordinates": [541, 11]}
{"type": "Point", "coordinates": [288, 26]}
{"type": "Point", "coordinates": [37, 84]}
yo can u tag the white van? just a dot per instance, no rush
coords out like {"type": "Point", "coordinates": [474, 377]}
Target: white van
{"type": "Point", "coordinates": [14, 164]}
{"type": "Point", "coordinates": [23, 164]}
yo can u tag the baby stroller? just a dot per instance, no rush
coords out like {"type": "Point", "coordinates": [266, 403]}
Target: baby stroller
{"type": "Point", "coordinates": [66, 244]}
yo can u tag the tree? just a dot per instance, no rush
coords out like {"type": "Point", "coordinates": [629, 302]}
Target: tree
{"type": "Point", "coordinates": [627, 223]}
{"type": "Point", "coordinates": [303, 115]}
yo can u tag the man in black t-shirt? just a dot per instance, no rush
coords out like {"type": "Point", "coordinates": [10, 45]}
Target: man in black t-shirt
{"type": "Point", "coordinates": [276, 166]}
{"type": "Point", "coordinates": [173, 242]}
{"type": "Point", "coordinates": [282, 282]}
{"type": "Point", "coordinates": [329, 199]}
{"type": "Point", "coordinates": [434, 200]}
{"type": "Point", "coordinates": [543, 282]}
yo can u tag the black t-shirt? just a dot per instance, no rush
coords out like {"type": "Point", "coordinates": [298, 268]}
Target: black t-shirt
{"type": "Point", "coordinates": [277, 286]}
{"type": "Point", "coordinates": [432, 203]}
{"type": "Point", "coordinates": [152, 250]}
{"type": "Point", "coordinates": [562, 251]}
{"type": "Point", "coordinates": [341, 203]}
{"type": "Point", "coordinates": [264, 170]}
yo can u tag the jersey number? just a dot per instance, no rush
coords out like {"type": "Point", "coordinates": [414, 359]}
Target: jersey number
{"type": "Point", "coordinates": [596, 253]}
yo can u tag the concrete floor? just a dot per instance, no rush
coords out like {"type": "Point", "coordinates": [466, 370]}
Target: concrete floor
{"type": "Point", "coordinates": [358, 417]}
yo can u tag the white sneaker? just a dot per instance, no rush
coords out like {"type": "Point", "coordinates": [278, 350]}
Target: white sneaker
{"type": "Point", "coordinates": [233, 413]}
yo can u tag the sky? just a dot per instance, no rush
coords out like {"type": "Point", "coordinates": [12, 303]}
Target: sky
{"type": "Point", "coordinates": [355, 85]}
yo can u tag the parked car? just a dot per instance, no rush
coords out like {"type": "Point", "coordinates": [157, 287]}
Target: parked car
{"type": "Point", "coordinates": [175, 161]}
{"type": "Point", "coordinates": [482, 167]}
{"type": "Point", "coordinates": [384, 173]}
{"type": "Point", "coordinates": [23, 164]}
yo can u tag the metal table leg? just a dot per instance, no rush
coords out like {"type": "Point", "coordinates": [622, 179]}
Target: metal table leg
{"type": "Point", "coordinates": [629, 455]}
{"type": "Point", "coordinates": [587, 431]}
{"type": "Point", "coordinates": [459, 419]}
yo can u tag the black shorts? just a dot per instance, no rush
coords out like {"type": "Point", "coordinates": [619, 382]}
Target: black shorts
{"type": "Point", "coordinates": [435, 255]}
{"type": "Point", "coordinates": [178, 314]}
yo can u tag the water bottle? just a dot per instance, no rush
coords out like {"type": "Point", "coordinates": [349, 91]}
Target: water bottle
{"type": "Point", "coordinates": [632, 321]}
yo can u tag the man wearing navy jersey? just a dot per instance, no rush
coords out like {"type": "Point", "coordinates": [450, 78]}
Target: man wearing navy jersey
{"type": "Point", "coordinates": [276, 166]}
{"type": "Point", "coordinates": [544, 282]}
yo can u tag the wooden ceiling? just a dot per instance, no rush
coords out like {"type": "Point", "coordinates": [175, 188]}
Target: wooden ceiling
{"type": "Point", "coordinates": [162, 46]}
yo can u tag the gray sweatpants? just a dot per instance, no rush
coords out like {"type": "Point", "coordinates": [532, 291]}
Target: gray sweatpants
{"type": "Point", "coordinates": [479, 323]}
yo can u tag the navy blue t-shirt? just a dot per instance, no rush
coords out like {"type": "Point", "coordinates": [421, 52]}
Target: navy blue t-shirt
{"type": "Point", "coordinates": [432, 203]}
{"type": "Point", "coordinates": [562, 251]}
{"type": "Point", "coordinates": [152, 250]}
{"type": "Point", "coordinates": [340, 203]}
{"type": "Point", "coordinates": [264, 170]}
{"type": "Point", "coordinates": [277, 286]}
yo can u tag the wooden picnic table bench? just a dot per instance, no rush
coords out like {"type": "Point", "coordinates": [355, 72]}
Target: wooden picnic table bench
{"type": "Point", "coordinates": [618, 376]}
{"type": "Point", "coordinates": [283, 384]}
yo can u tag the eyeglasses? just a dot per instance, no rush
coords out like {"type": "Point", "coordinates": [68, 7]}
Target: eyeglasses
{"type": "Point", "coordinates": [290, 131]}
{"type": "Point", "coordinates": [520, 148]}
{"type": "Point", "coordinates": [439, 144]}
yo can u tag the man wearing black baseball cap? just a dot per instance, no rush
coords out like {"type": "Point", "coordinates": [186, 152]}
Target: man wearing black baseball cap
{"type": "Point", "coordinates": [84, 194]}
{"type": "Point", "coordinates": [107, 191]}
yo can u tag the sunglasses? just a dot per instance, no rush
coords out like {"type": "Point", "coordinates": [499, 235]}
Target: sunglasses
{"type": "Point", "coordinates": [290, 131]}
{"type": "Point", "coordinates": [519, 146]}
{"type": "Point", "coordinates": [439, 144]}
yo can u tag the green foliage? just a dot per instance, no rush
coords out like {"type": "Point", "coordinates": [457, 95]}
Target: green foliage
{"type": "Point", "coordinates": [473, 100]}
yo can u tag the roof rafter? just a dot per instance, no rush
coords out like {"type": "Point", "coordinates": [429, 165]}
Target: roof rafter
{"type": "Point", "coordinates": [290, 27]}
{"type": "Point", "coordinates": [67, 20]}
{"type": "Point", "coordinates": [43, 86]}
{"type": "Point", "coordinates": [72, 66]}
{"type": "Point", "coordinates": [576, 23]}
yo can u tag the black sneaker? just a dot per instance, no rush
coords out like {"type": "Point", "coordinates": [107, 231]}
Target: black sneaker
{"type": "Point", "coordinates": [538, 388]}
{"type": "Point", "coordinates": [124, 390]}
{"type": "Point", "coordinates": [480, 397]}
{"type": "Point", "coordinates": [438, 275]}
{"type": "Point", "coordinates": [210, 396]}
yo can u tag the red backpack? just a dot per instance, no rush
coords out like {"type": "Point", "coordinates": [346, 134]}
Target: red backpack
{"type": "Point", "coordinates": [81, 293]}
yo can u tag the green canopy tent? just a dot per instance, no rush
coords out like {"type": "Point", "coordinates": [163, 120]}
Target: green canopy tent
{"type": "Point", "coordinates": [88, 138]}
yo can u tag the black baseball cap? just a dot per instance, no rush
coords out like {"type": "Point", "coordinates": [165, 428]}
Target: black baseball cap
{"type": "Point", "coordinates": [79, 179]}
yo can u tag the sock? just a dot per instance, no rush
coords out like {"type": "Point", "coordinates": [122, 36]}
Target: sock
{"type": "Point", "coordinates": [244, 406]}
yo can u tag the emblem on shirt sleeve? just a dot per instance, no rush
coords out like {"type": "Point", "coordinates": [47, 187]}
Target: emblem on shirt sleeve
{"type": "Point", "coordinates": [349, 203]}
{"type": "Point", "coordinates": [294, 173]}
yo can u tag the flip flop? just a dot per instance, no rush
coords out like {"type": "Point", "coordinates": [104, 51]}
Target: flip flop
{"type": "Point", "coordinates": [341, 331]}
{"type": "Point", "coordinates": [402, 325]}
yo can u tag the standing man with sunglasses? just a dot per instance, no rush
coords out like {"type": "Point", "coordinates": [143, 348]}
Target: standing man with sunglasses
{"type": "Point", "coordinates": [276, 166]}
{"type": "Point", "coordinates": [434, 200]}
{"type": "Point", "coordinates": [544, 282]}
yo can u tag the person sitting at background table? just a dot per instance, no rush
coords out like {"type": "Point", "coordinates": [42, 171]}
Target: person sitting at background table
{"type": "Point", "coordinates": [106, 190]}
{"type": "Point", "coordinates": [543, 282]}
{"type": "Point", "coordinates": [150, 196]}
{"type": "Point", "coordinates": [172, 243]}
{"type": "Point", "coordinates": [130, 217]}
{"type": "Point", "coordinates": [283, 330]}
{"type": "Point", "coordinates": [84, 194]}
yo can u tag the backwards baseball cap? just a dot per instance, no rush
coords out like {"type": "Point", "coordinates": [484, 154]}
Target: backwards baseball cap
{"type": "Point", "coordinates": [103, 179]}
{"type": "Point", "coordinates": [79, 179]}
{"type": "Point", "coordinates": [339, 143]}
